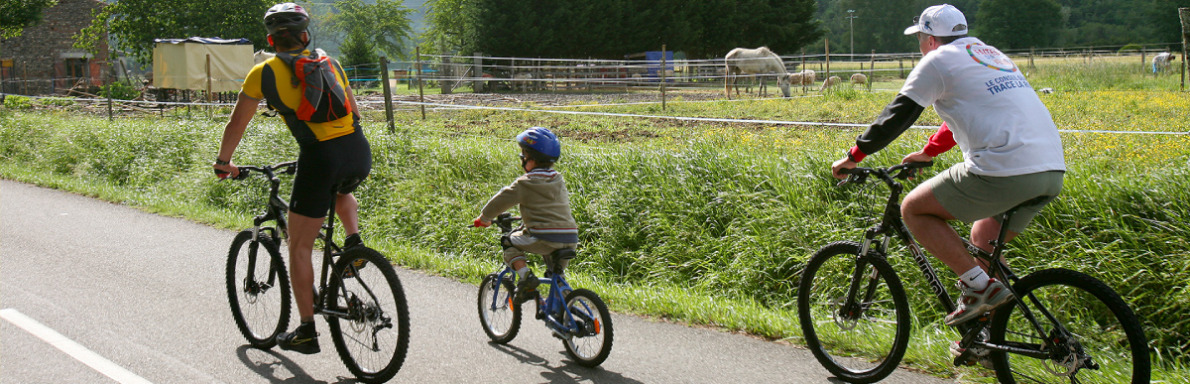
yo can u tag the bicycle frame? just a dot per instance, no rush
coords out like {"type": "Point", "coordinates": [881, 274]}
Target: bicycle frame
{"type": "Point", "coordinates": [551, 308]}
{"type": "Point", "coordinates": [892, 225]}
{"type": "Point", "coordinates": [276, 211]}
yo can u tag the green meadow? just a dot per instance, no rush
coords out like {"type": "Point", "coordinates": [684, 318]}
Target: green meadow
{"type": "Point", "coordinates": [706, 223]}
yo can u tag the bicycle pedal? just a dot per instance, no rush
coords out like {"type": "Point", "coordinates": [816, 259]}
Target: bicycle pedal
{"type": "Point", "coordinates": [970, 358]}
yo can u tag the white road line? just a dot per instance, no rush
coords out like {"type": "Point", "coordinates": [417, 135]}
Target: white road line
{"type": "Point", "coordinates": [71, 348]}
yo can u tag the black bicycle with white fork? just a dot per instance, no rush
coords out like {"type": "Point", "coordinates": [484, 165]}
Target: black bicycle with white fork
{"type": "Point", "coordinates": [359, 293]}
{"type": "Point", "coordinates": [1063, 325]}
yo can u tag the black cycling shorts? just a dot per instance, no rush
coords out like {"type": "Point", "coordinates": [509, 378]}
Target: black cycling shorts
{"type": "Point", "coordinates": [327, 167]}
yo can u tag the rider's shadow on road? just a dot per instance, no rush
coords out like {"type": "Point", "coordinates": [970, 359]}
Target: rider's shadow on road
{"type": "Point", "coordinates": [269, 365]}
{"type": "Point", "coordinates": [566, 373]}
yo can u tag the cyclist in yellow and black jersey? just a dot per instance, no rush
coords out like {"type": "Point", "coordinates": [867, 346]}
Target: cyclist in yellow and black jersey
{"type": "Point", "coordinates": [334, 158]}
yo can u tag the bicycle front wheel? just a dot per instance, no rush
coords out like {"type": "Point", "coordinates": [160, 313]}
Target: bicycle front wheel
{"type": "Point", "coordinates": [258, 289]}
{"type": "Point", "coordinates": [591, 341]}
{"type": "Point", "coordinates": [853, 312]}
{"type": "Point", "coordinates": [373, 335]}
{"type": "Point", "coordinates": [498, 314]}
{"type": "Point", "coordinates": [1092, 336]}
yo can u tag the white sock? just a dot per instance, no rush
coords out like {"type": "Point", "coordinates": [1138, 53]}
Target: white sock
{"type": "Point", "coordinates": [520, 273]}
{"type": "Point", "coordinates": [976, 278]}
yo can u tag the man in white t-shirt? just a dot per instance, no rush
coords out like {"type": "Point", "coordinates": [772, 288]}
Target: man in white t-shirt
{"type": "Point", "coordinates": [1011, 149]}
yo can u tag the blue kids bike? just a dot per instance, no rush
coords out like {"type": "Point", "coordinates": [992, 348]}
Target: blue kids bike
{"type": "Point", "coordinates": [576, 316]}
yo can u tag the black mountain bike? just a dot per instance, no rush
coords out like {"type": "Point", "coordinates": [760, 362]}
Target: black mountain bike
{"type": "Point", "coordinates": [362, 300]}
{"type": "Point", "coordinates": [1063, 326]}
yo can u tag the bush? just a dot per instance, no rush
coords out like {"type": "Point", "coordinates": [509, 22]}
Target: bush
{"type": "Point", "coordinates": [1130, 48]}
{"type": "Point", "coordinates": [119, 91]}
{"type": "Point", "coordinates": [18, 102]}
{"type": "Point", "coordinates": [56, 101]}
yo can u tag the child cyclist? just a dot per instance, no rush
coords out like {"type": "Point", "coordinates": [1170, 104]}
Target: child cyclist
{"type": "Point", "coordinates": [544, 204]}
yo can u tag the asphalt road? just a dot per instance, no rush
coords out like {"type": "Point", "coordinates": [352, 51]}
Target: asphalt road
{"type": "Point", "coordinates": [137, 296]}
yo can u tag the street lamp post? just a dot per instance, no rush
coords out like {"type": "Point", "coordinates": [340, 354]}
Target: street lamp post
{"type": "Point", "coordinates": [851, 18]}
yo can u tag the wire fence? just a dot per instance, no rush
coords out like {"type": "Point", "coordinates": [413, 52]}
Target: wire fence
{"type": "Point", "coordinates": [222, 109]}
{"type": "Point", "coordinates": [514, 75]}
{"type": "Point", "coordinates": [480, 73]}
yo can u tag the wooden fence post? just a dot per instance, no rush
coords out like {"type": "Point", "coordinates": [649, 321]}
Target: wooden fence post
{"type": "Point", "coordinates": [478, 85]}
{"type": "Point", "coordinates": [388, 95]}
{"type": "Point", "coordinates": [872, 71]}
{"type": "Point", "coordinates": [421, 97]}
{"type": "Point", "coordinates": [1184, 15]}
{"type": "Point", "coordinates": [445, 73]}
{"type": "Point", "coordinates": [208, 77]}
{"type": "Point", "coordinates": [1142, 58]}
{"type": "Point", "coordinates": [827, 75]}
{"type": "Point", "coordinates": [803, 70]}
{"type": "Point", "coordinates": [662, 77]}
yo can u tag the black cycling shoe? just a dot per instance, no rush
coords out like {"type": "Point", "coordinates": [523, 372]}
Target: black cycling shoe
{"type": "Point", "coordinates": [527, 288]}
{"type": "Point", "coordinates": [353, 241]}
{"type": "Point", "coordinates": [302, 340]}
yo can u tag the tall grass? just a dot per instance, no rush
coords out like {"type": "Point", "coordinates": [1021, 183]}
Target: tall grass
{"type": "Point", "coordinates": [709, 223]}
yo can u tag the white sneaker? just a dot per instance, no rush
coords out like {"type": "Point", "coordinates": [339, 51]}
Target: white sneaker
{"type": "Point", "coordinates": [974, 303]}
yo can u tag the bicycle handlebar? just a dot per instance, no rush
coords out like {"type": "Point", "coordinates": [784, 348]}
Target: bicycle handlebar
{"type": "Point", "coordinates": [286, 168]}
{"type": "Point", "coordinates": [504, 221]}
{"type": "Point", "coordinates": [900, 171]}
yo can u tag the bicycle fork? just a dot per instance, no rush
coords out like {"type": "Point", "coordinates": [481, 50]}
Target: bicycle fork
{"type": "Point", "coordinates": [851, 308]}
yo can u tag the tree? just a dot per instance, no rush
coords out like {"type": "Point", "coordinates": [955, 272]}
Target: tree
{"type": "Point", "coordinates": [134, 24]}
{"type": "Point", "coordinates": [383, 26]}
{"type": "Point", "coordinates": [611, 29]}
{"type": "Point", "coordinates": [1006, 25]}
{"type": "Point", "coordinates": [358, 55]}
{"type": "Point", "coordinates": [19, 14]}
{"type": "Point", "coordinates": [449, 26]}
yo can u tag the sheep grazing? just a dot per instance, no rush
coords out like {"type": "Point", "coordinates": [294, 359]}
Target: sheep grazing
{"type": "Point", "coordinates": [808, 77]}
{"type": "Point", "coordinates": [859, 78]}
{"type": "Point", "coordinates": [805, 77]}
{"type": "Point", "coordinates": [830, 82]}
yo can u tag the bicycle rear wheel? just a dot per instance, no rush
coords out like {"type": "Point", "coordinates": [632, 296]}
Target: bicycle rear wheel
{"type": "Point", "coordinates": [860, 340]}
{"type": "Point", "coordinates": [499, 316]}
{"type": "Point", "coordinates": [373, 337]}
{"type": "Point", "coordinates": [592, 342]}
{"type": "Point", "coordinates": [258, 289]}
{"type": "Point", "coordinates": [1103, 342]}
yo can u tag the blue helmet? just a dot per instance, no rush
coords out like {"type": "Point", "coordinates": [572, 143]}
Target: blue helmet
{"type": "Point", "coordinates": [541, 144]}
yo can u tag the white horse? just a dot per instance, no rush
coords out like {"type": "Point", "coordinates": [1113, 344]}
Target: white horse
{"type": "Point", "coordinates": [759, 61]}
{"type": "Point", "coordinates": [260, 56]}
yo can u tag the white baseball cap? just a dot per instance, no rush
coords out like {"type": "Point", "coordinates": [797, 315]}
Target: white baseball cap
{"type": "Point", "coordinates": [939, 20]}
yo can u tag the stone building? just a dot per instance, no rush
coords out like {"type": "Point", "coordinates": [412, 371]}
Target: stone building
{"type": "Point", "coordinates": [42, 60]}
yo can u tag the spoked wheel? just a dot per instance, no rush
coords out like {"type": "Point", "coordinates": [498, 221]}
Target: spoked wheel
{"type": "Point", "coordinates": [591, 343]}
{"type": "Point", "coordinates": [859, 340]}
{"type": "Point", "coordinates": [499, 316]}
{"type": "Point", "coordinates": [1096, 337]}
{"type": "Point", "coordinates": [374, 335]}
{"type": "Point", "coordinates": [258, 289]}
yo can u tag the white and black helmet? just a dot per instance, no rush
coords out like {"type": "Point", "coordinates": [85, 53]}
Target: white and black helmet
{"type": "Point", "coordinates": [286, 16]}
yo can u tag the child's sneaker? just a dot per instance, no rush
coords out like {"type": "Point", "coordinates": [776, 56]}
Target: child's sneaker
{"type": "Point", "coordinates": [527, 287]}
{"type": "Point", "coordinates": [973, 303]}
{"type": "Point", "coordinates": [302, 340]}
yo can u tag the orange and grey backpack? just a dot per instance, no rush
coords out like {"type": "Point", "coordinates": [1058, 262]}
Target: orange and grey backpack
{"type": "Point", "coordinates": [323, 98]}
